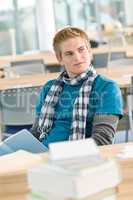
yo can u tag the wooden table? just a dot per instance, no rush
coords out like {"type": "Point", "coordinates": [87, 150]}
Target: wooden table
{"type": "Point", "coordinates": [108, 49]}
{"type": "Point", "coordinates": [129, 54]}
{"type": "Point", "coordinates": [26, 81]}
{"type": "Point", "coordinates": [48, 57]}
{"type": "Point", "coordinates": [125, 189]}
{"type": "Point", "coordinates": [121, 75]}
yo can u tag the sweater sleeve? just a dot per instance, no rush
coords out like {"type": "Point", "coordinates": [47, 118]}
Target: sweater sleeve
{"type": "Point", "coordinates": [104, 128]}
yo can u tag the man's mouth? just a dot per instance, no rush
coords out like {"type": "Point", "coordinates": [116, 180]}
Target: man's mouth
{"type": "Point", "coordinates": [79, 63]}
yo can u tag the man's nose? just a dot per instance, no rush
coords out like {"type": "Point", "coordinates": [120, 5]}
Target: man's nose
{"type": "Point", "coordinates": [77, 56]}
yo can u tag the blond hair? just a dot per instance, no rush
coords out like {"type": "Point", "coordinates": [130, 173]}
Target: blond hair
{"type": "Point", "coordinates": [67, 33]}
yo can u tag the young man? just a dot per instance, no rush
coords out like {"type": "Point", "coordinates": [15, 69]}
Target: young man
{"type": "Point", "coordinates": [79, 103]}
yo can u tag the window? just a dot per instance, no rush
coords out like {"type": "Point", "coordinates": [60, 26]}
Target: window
{"type": "Point", "coordinates": [6, 24]}
{"type": "Point", "coordinates": [83, 13]}
{"type": "Point", "coordinates": [18, 32]}
{"type": "Point", "coordinates": [73, 12]}
{"type": "Point", "coordinates": [62, 13]}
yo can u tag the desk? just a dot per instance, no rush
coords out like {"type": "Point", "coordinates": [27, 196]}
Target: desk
{"type": "Point", "coordinates": [108, 49]}
{"type": "Point", "coordinates": [125, 188]}
{"type": "Point", "coordinates": [115, 70]}
{"type": "Point", "coordinates": [121, 76]}
{"type": "Point", "coordinates": [129, 54]}
{"type": "Point", "coordinates": [48, 57]}
{"type": "Point", "coordinates": [27, 81]}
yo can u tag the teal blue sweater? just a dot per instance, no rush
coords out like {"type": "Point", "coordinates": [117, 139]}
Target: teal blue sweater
{"type": "Point", "coordinates": [105, 98]}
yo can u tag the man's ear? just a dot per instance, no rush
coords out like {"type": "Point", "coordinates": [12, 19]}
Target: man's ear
{"type": "Point", "coordinates": [60, 61]}
{"type": "Point", "coordinates": [58, 56]}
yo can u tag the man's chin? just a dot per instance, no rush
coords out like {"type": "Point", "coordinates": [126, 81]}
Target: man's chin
{"type": "Point", "coordinates": [80, 72]}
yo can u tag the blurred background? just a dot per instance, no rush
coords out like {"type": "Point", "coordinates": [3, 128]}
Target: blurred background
{"type": "Point", "coordinates": [29, 25]}
{"type": "Point", "coordinates": [27, 61]}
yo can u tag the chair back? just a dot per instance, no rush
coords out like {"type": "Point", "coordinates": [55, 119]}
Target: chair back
{"type": "Point", "coordinates": [17, 106]}
{"type": "Point", "coordinates": [121, 62]}
{"type": "Point", "coordinates": [117, 55]}
{"type": "Point", "coordinates": [100, 60]}
{"type": "Point", "coordinates": [27, 67]}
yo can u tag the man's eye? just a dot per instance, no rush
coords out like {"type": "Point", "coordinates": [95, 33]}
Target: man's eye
{"type": "Point", "coordinates": [82, 49]}
{"type": "Point", "coordinates": [68, 54]}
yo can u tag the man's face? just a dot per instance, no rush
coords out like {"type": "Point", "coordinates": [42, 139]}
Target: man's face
{"type": "Point", "coordinates": [75, 56]}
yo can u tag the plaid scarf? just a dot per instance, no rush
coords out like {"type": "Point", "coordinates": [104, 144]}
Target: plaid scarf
{"type": "Point", "coordinates": [80, 109]}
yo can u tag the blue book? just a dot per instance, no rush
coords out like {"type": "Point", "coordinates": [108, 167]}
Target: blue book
{"type": "Point", "coordinates": [22, 140]}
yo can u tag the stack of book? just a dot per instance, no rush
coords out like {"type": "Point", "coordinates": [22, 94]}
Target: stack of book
{"type": "Point", "coordinates": [13, 174]}
{"type": "Point", "coordinates": [109, 194]}
{"type": "Point", "coordinates": [88, 177]}
{"type": "Point", "coordinates": [87, 182]}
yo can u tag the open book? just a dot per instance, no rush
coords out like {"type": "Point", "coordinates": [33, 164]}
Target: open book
{"type": "Point", "coordinates": [21, 140]}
